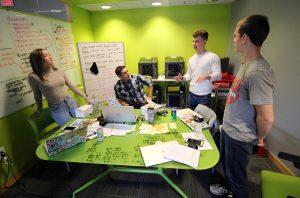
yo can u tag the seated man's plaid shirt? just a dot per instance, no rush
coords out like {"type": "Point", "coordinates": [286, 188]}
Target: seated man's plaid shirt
{"type": "Point", "coordinates": [132, 91]}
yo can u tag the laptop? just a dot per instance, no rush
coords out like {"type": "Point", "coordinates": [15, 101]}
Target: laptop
{"type": "Point", "coordinates": [65, 140]}
{"type": "Point", "coordinates": [119, 114]}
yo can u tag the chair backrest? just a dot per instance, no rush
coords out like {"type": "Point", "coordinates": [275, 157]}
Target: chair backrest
{"type": "Point", "coordinates": [43, 124]}
{"type": "Point", "coordinates": [279, 185]}
{"type": "Point", "coordinates": [208, 114]}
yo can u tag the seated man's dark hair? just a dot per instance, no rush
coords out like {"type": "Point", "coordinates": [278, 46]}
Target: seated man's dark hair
{"type": "Point", "coordinates": [119, 69]}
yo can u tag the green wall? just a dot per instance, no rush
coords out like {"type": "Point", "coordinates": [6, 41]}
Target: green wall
{"type": "Point", "coordinates": [82, 32]}
{"type": "Point", "coordinates": [163, 31]}
{"type": "Point", "coordinates": [15, 133]}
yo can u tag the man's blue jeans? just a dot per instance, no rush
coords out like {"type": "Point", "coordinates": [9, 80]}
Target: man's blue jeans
{"type": "Point", "coordinates": [194, 100]}
{"type": "Point", "coordinates": [235, 157]}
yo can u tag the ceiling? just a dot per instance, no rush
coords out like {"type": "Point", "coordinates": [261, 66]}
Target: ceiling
{"type": "Point", "coordinates": [94, 5]}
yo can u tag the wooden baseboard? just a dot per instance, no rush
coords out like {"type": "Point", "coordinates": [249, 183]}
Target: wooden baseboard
{"type": "Point", "coordinates": [18, 175]}
{"type": "Point", "coordinates": [279, 164]}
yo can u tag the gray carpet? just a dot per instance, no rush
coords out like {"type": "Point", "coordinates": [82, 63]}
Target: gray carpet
{"type": "Point", "coordinates": [52, 180]}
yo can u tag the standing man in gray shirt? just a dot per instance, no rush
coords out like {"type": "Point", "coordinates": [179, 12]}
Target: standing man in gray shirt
{"type": "Point", "coordinates": [248, 115]}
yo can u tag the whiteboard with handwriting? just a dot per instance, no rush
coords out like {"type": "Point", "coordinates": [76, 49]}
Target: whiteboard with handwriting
{"type": "Point", "coordinates": [19, 35]}
{"type": "Point", "coordinates": [107, 56]}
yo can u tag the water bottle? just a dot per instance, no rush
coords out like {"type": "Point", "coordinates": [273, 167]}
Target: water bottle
{"type": "Point", "coordinates": [173, 114]}
{"type": "Point", "coordinates": [95, 104]}
{"type": "Point", "coordinates": [100, 134]}
{"type": "Point", "coordinates": [150, 112]}
{"type": "Point", "coordinates": [198, 121]}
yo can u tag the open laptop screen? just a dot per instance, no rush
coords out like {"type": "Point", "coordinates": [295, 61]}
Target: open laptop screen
{"type": "Point", "coordinates": [119, 114]}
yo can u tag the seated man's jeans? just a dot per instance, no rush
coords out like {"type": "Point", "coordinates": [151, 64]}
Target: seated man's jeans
{"type": "Point", "coordinates": [194, 100]}
{"type": "Point", "coordinates": [63, 111]}
{"type": "Point", "coordinates": [235, 157]}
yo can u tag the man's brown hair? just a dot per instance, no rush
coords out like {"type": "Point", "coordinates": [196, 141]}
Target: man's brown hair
{"type": "Point", "coordinates": [256, 27]}
{"type": "Point", "coordinates": [119, 69]}
{"type": "Point", "coordinates": [202, 33]}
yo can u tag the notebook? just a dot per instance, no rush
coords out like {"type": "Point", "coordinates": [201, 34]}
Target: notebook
{"type": "Point", "coordinates": [66, 140]}
{"type": "Point", "coordinates": [119, 114]}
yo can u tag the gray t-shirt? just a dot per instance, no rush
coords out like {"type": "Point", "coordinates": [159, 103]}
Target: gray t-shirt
{"type": "Point", "coordinates": [253, 85]}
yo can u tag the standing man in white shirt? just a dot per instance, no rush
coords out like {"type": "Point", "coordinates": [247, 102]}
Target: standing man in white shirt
{"type": "Point", "coordinates": [203, 68]}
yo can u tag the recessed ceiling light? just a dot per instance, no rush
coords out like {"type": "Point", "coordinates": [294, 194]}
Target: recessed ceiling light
{"type": "Point", "coordinates": [156, 3]}
{"type": "Point", "coordinates": [105, 7]}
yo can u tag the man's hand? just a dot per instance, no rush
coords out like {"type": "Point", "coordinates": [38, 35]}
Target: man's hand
{"type": "Point", "coordinates": [261, 142]}
{"type": "Point", "coordinates": [179, 77]}
{"type": "Point", "coordinates": [202, 78]}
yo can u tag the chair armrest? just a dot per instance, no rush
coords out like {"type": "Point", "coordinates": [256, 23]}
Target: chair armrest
{"type": "Point", "coordinates": [293, 158]}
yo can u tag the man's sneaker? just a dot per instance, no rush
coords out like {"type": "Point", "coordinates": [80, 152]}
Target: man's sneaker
{"type": "Point", "coordinates": [219, 190]}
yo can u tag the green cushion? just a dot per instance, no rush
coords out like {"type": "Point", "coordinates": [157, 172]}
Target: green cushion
{"type": "Point", "coordinates": [43, 125]}
{"type": "Point", "coordinates": [279, 185]}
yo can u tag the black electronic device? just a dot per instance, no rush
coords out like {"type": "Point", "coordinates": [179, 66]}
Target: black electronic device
{"type": "Point", "coordinates": [69, 128]}
{"type": "Point", "coordinates": [195, 144]}
{"type": "Point", "coordinates": [156, 94]}
{"type": "Point", "coordinates": [162, 112]}
{"type": "Point", "coordinates": [173, 66]}
{"type": "Point", "coordinates": [225, 64]}
{"type": "Point", "coordinates": [175, 95]}
{"type": "Point", "coordinates": [175, 100]}
{"type": "Point", "coordinates": [148, 67]}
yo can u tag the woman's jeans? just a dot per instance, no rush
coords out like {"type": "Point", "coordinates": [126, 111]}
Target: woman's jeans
{"type": "Point", "coordinates": [63, 111]}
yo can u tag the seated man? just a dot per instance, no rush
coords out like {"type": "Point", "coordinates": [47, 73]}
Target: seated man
{"type": "Point", "coordinates": [129, 88]}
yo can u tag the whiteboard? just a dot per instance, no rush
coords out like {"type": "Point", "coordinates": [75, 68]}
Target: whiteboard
{"type": "Point", "coordinates": [107, 56]}
{"type": "Point", "coordinates": [19, 35]}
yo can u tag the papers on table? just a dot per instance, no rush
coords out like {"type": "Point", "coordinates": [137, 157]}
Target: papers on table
{"type": "Point", "coordinates": [144, 109]}
{"type": "Point", "coordinates": [187, 117]}
{"type": "Point", "coordinates": [168, 151]}
{"type": "Point", "coordinates": [182, 154]}
{"type": "Point", "coordinates": [198, 136]}
{"type": "Point", "coordinates": [109, 129]}
{"type": "Point", "coordinates": [117, 129]}
{"type": "Point", "coordinates": [172, 126]}
{"type": "Point", "coordinates": [153, 154]}
{"type": "Point", "coordinates": [154, 129]}
{"type": "Point", "coordinates": [181, 113]}
{"type": "Point", "coordinates": [92, 130]}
